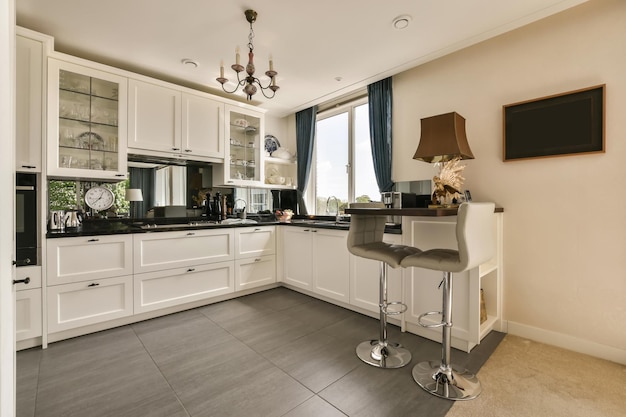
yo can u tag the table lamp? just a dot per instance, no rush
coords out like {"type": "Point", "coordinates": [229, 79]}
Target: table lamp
{"type": "Point", "coordinates": [133, 195]}
{"type": "Point", "coordinates": [443, 141]}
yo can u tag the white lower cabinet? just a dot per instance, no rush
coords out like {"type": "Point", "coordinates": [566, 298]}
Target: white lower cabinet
{"type": "Point", "coordinates": [255, 259]}
{"type": "Point", "coordinates": [74, 259]}
{"type": "Point", "coordinates": [298, 257]}
{"type": "Point", "coordinates": [166, 250]}
{"type": "Point", "coordinates": [254, 272]}
{"type": "Point", "coordinates": [89, 302]}
{"type": "Point", "coordinates": [365, 280]}
{"type": "Point", "coordinates": [317, 260]}
{"type": "Point", "coordinates": [331, 266]}
{"type": "Point", "coordinates": [156, 290]}
{"type": "Point", "coordinates": [28, 314]}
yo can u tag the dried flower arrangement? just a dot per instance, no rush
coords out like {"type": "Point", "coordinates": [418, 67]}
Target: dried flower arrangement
{"type": "Point", "coordinates": [448, 184]}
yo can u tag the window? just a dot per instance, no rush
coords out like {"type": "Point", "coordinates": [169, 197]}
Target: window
{"type": "Point", "coordinates": [343, 168]}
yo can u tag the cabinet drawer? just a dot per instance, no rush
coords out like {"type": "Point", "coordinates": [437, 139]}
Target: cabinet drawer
{"type": "Point", "coordinates": [168, 250]}
{"type": "Point", "coordinates": [32, 272]}
{"type": "Point", "coordinates": [84, 303]}
{"type": "Point", "coordinates": [28, 314]}
{"type": "Point", "coordinates": [75, 259]}
{"type": "Point", "coordinates": [255, 241]}
{"type": "Point", "coordinates": [156, 290]}
{"type": "Point", "coordinates": [254, 272]}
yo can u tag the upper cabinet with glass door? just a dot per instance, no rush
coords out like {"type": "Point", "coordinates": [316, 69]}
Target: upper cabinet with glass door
{"type": "Point", "coordinates": [86, 122]}
{"type": "Point", "coordinates": [244, 131]}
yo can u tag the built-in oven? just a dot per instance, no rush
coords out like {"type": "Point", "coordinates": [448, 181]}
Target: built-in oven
{"type": "Point", "coordinates": [26, 223]}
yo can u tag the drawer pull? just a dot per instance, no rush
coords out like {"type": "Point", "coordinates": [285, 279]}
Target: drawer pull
{"type": "Point", "coordinates": [191, 269]}
{"type": "Point", "coordinates": [22, 281]}
{"type": "Point", "coordinates": [257, 259]}
{"type": "Point", "coordinates": [188, 150]}
{"type": "Point", "coordinates": [257, 229]}
{"type": "Point", "coordinates": [29, 166]}
{"type": "Point", "coordinates": [93, 284]}
{"type": "Point", "coordinates": [93, 240]}
{"type": "Point", "coordinates": [314, 231]}
{"type": "Point", "coordinates": [176, 149]}
{"type": "Point", "coordinates": [190, 234]}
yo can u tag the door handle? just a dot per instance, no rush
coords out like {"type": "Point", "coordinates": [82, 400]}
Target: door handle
{"type": "Point", "coordinates": [22, 281]}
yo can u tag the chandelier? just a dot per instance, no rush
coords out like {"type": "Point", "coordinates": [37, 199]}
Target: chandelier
{"type": "Point", "coordinates": [248, 82]}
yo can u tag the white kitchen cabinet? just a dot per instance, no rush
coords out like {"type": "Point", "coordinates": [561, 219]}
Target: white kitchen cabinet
{"type": "Point", "coordinates": [28, 314]}
{"type": "Point", "coordinates": [422, 290]}
{"type": "Point", "coordinates": [331, 266]}
{"type": "Point", "coordinates": [74, 259]}
{"type": "Point", "coordinates": [165, 121]}
{"type": "Point", "coordinates": [255, 259]}
{"type": "Point", "coordinates": [255, 241]}
{"type": "Point", "coordinates": [171, 287]}
{"type": "Point", "coordinates": [254, 272]}
{"type": "Point", "coordinates": [29, 104]}
{"type": "Point", "coordinates": [28, 317]}
{"type": "Point", "coordinates": [87, 115]}
{"type": "Point", "coordinates": [244, 134]}
{"type": "Point", "coordinates": [91, 302]}
{"type": "Point", "coordinates": [365, 280]}
{"type": "Point", "coordinates": [297, 257]}
{"type": "Point", "coordinates": [317, 259]}
{"type": "Point", "coordinates": [166, 250]}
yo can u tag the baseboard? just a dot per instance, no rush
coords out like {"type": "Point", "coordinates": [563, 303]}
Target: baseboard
{"type": "Point", "coordinates": [567, 342]}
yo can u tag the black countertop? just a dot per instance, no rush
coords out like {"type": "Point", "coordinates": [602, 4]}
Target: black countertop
{"type": "Point", "coordinates": [101, 227]}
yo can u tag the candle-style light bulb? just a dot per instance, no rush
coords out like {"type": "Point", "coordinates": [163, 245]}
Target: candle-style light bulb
{"type": "Point", "coordinates": [237, 55]}
{"type": "Point", "coordinates": [271, 64]}
{"type": "Point", "coordinates": [222, 68]}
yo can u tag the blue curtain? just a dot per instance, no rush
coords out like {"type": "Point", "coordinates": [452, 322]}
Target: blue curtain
{"type": "Point", "coordinates": [380, 99]}
{"type": "Point", "coordinates": [305, 136]}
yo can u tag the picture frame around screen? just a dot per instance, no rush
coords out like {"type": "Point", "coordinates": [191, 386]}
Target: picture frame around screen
{"type": "Point", "coordinates": [562, 124]}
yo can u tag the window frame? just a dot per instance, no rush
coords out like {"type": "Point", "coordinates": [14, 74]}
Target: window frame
{"type": "Point", "coordinates": [346, 107]}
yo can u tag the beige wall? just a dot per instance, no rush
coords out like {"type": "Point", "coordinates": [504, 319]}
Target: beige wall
{"type": "Point", "coordinates": [565, 222]}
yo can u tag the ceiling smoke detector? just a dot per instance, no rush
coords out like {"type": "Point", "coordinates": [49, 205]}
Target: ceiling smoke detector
{"type": "Point", "coordinates": [190, 63]}
{"type": "Point", "coordinates": [401, 22]}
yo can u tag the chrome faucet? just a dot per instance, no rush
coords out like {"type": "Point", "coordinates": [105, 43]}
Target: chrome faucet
{"type": "Point", "coordinates": [336, 204]}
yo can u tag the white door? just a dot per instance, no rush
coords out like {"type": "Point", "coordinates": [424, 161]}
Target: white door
{"type": "Point", "coordinates": [7, 221]}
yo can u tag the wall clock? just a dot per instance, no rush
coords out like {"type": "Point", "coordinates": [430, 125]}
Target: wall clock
{"type": "Point", "coordinates": [99, 198]}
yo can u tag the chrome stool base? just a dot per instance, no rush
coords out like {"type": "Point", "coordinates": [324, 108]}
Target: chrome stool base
{"type": "Point", "coordinates": [389, 355]}
{"type": "Point", "coordinates": [448, 383]}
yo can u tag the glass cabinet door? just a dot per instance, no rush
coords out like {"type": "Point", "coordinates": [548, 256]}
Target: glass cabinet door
{"type": "Point", "coordinates": [245, 130]}
{"type": "Point", "coordinates": [88, 117]}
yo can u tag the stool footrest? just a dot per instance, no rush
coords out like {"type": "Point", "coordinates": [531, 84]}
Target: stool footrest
{"type": "Point", "coordinates": [385, 308]}
{"type": "Point", "coordinates": [430, 313]}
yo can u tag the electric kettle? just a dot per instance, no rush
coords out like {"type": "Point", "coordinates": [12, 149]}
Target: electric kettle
{"type": "Point", "coordinates": [57, 220]}
{"type": "Point", "coordinates": [73, 218]}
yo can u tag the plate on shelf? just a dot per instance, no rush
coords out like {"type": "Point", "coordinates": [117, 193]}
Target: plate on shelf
{"type": "Point", "coordinates": [271, 143]}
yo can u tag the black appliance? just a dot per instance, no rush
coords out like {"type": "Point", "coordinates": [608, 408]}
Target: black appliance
{"type": "Point", "coordinates": [285, 199]}
{"type": "Point", "coordinates": [26, 223]}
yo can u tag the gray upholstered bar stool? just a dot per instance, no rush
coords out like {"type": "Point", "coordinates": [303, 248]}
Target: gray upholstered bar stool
{"type": "Point", "coordinates": [365, 239]}
{"type": "Point", "coordinates": [475, 234]}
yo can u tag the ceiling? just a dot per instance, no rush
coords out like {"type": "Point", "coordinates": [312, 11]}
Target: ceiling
{"type": "Point", "coordinates": [322, 49]}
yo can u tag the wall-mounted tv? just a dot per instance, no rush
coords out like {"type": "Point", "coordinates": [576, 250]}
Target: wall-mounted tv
{"type": "Point", "coordinates": [562, 124]}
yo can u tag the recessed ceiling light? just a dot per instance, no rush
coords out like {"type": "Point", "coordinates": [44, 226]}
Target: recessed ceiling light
{"type": "Point", "coordinates": [190, 62]}
{"type": "Point", "coordinates": [401, 22]}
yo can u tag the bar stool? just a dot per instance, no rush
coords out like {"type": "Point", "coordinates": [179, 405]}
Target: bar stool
{"type": "Point", "coordinates": [475, 234]}
{"type": "Point", "coordinates": [365, 239]}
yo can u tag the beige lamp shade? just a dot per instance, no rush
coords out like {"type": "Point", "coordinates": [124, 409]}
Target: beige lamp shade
{"type": "Point", "coordinates": [443, 138]}
{"type": "Point", "coordinates": [134, 194]}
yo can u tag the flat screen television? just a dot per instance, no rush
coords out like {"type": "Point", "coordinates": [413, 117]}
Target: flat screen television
{"type": "Point", "coordinates": [562, 124]}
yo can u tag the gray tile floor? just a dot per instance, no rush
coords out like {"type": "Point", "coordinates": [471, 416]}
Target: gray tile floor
{"type": "Point", "coordinates": [275, 353]}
